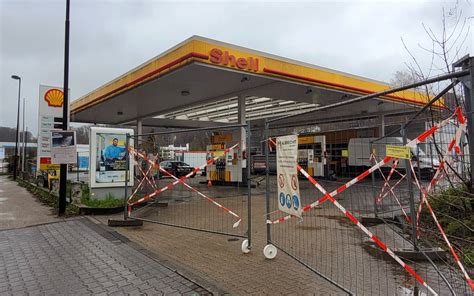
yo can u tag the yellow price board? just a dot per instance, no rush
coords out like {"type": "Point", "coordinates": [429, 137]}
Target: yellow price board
{"type": "Point", "coordinates": [398, 151]}
{"type": "Point", "coordinates": [345, 153]}
{"type": "Point", "coordinates": [49, 166]}
{"type": "Point", "coordinates": [217, 146]}
{"type": "Point", "coordinates": [306, 140]}
{"type": "Point", "coordinates": [223, 138]}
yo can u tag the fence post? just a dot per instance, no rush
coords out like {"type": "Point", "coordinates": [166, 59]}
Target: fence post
{"type": "Point", "coordinates": [127, 164]}
{"type": "Point", "coordinates": [412, 201]}
{"type": "Point", "coordinates": [249, 190]}
{"type": "Point", "coordinates": [77, 167]}
{"type": "Point", "coordinates": [372, 175]}
{"type": "Point", "coordinates": [267, 181]}
{"type": "Point", "coordinates": [469, 102]}
{"type": "Point", "coordinates": [410, 190]}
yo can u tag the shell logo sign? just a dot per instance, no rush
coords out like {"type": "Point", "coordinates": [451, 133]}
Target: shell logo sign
{"type": "Point", "coordinates": [54, 97]}
{"type": "Point", "coordinates": [218, 56]}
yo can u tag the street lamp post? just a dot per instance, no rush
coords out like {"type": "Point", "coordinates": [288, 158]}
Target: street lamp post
{"type": "Point", "coordinates": [23, 138]}
{"type": "Point", "coordinates": [63, 169]}
{"type": "Point", "coordinates": [15, 162]}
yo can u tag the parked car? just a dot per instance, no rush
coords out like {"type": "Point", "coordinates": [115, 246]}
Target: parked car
{"type": "Point", "coordinates": [177, 168]}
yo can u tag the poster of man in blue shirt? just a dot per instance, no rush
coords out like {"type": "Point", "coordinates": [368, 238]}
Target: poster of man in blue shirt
{"type": "Point", "coordinates": [108, 157]}
{"type": "Point", "coordinates": [114, 156]}
{"type": "Point", "coordinates": [113, 151]}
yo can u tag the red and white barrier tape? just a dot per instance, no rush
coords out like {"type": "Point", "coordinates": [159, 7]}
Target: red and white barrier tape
{"type": "Point", "coordinates": [454, 144]}
{"type": "Point", "coordinates": [441, 230]}
{"type": "Point", "coordinates": [393, 169]}
{"type": "Point", "coordinates": [330, 196]}
{"type": "Point", "coordinates": [351, 217]}
{"type": "Point", "coordinates": [180, 180]}
{"type": "Point", "coordinates": [395, 185]}
{"type": "Point", "coordinates": [436, 178]}
{"type": "Point", "coordinates": [146, 176]}
{"type": "Point", "coordinates": [153, 164]}
{"type": "Point", "coordinates": [386, 180]}
{"type": "Point", "coordinates": [140, 185]}
{"type": "Point", "coordinates": [360, 177]}
{"type": "Point", "coordinates": [383, 246]}
{"type": "Point", "coordinates": [333, 193]}
{"type": "Point", "coordinates": [236, 224]}
{"type": "Point", "coordinates": [390, 188]}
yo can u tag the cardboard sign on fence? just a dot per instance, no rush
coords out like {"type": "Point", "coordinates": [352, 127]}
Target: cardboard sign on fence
{"type": "Point", "coordinates": [398, 151]}
{"type": "Point", "coordinates": [289, 199]}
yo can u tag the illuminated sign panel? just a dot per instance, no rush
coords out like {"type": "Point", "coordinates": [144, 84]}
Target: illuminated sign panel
{"type": "Point", "coordinates": [220, 57]}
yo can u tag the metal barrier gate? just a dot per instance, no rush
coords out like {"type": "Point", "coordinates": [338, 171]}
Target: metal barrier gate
{"type": "Point", "coordinates": [192, 179]}
{"type": "Point", "coordinates": [368, 227]}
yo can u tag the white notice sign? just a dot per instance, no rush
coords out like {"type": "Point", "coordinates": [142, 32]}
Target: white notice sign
{"type": "Point", "coordinates": [63, 147]}
{"type": "Point", "coordinates": [289, 200]}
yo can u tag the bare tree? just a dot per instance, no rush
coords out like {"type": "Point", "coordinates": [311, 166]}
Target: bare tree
{"type": "Point", "coordinates": [443, 47]}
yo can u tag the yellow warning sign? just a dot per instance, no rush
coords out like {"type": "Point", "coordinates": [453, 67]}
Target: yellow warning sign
{"type": "Point", "coordinates": [345, 153]}
{"type": "Point", "coordinates": [398, 151]}
{"type": "Point", "coordinates": [218, 153]}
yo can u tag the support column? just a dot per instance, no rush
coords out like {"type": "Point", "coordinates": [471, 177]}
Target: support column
{"type": "Point", "coordinates": [382, 125]}
{"type": "Point", "coordinates": [242, 136]}
{"type": "Point", "coordinates": [139, 130]}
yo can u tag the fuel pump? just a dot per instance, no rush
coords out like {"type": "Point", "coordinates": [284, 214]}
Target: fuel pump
{"type": "Point", "coordinates": [313, 160]}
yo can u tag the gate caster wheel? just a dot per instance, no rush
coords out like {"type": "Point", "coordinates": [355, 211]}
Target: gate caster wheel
{"type": "Point", "coordinates": [245, 246]}
{"type": "Point", "coordinates": [270, 251]}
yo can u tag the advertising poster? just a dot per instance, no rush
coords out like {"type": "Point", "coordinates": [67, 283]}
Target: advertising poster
{"type": "Point", "coordinates": [83, 162]}
{"type": "Point", "coordinates": [63, 147]}
{"type": "Point", "coordinates": [108, 157]}
{"type": "Point", "coordinates": [289, 200]}
{"type": "Point", "coordinates": [50, 116]}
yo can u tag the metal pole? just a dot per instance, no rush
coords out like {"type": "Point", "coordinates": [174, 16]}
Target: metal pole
{"type": "Point", "coordinates": [410, 191]}
{"type": "Point", "coordinates": [77, 167]}
{"type": "Point", "coordinates": [267, 180]}
{"type": "Point", "coordinates": [374, 192]}
{"type": "Point", "coordinates": [127, 172]}
{"type": "Point", "coordinates": [63, 170]}
{"type": "Point", "coordinates": [469, 104]}
{"type": "Point", "coordinates": [425, 107]}
{"type": "Point", "coordinates": [380, 94]}
{"type": "Point", "coordinates": [420, 194]}
{"type": "Point", "coordinates": [26, 141]}
{"type": "Point", "coordinates": [431, 153]}
{"type": "Point", "coordinates": [463, 157]}
{"type": "Point", "coordinates": [15, 161]}
{"type": "Point", "coordinates": [249, 190]}
{"type": "Point", "coordinates": [23, 138]}
{"type": "Point", "coordinates": [412, 200]}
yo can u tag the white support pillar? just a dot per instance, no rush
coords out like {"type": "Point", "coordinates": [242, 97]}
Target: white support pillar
{"type": "Point", "coordinates": [242, 134]}
{"type": "Point", "coordinates": [382, 126]}
{"type": "Point", "coordinates": [139, 130]}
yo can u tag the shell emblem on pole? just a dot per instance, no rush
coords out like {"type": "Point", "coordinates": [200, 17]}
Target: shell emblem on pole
{"type": "Point", "coordinates": [54, 97]}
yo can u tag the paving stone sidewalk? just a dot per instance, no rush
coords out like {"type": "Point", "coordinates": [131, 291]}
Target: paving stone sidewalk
{"type": "Point", "coordinates": [218, 259]}
{"type": "Point", "coordinates": [78, 257]}
{"type": "Point", "coordinates": [18, 208]}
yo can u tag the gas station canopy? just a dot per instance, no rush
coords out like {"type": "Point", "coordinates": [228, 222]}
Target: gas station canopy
{"type": "Point", "coordinates": [199, 82]}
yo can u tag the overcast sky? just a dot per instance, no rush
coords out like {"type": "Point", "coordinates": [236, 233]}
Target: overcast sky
{"type": "Point", "coordinates": [109, 38]}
